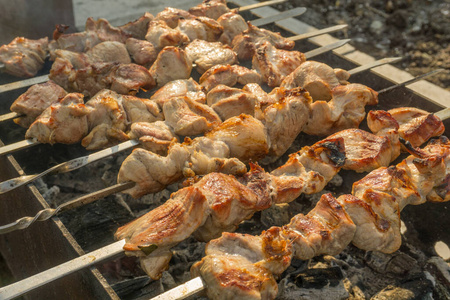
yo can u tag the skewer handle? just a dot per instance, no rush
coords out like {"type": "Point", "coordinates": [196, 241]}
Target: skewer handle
{"type": "Point", "coordinates": [317, 32]}
{"type": "Point", "coordinates": [35, 281]}
{"type": "Point", "coordinates": [405, 83]}
{"type": "Point", "coordinates": [183, 291]}
{"type": "Point", "coordinates": [261, 4]}
{"type": "Point", "coordinates": [23, 83]}
{"type": "Point", "coordinates": [443, 114]}
{"type": "Point", "coordinates": [9, 116]}
{"type": "Point", "coordinates": [17, 146]}
{"type": "Point", "coordinates": [383, 61]}
{"type": "Point", "coordinates": [326, 48]}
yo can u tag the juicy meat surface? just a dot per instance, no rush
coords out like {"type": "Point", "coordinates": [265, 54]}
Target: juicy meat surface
{"type": "Point", "coordinates": [275, 64]}
{"type": "Point", "coordinates": [63, 122]}
{"type": "Point", "coordinates": [171, 16]}
{"type": "Point", "coordinates": [107, 120]}
{"type": "Point", "coordinates": [209, 54]}
{"type": "Point", "coordinates": [345, 110]}
{"type": "Point", "coordinates": [155, 137]}
{"type": "Point", "coordinates": [110, 51]}
{"type": "Point", "coordinates": [233, 24]}
{"type": "Point", "coordinates": [161, 35]}
{"type": "Point", "coordinates": [141, 110]}
{"type": "Point", "coordinates": [202, 28]}
{"type": "Point", "coordinates": [138, 28]}
{"type": "Point", "coordinates": [141, 51]}
{"type": "Point", "coordinates": [35, 100]}
{"type": "Point", "coordinates": [210, 8]}
{"type": "Point", "coordinates": [246, 43]}
{"type": "Point", "coordinates": [171, 64]}
{"type": "Point", "coordinates": [24, 57]}
{"type": "Point", "coordinates": [317, 78]}
{"type": "Point", "coordinates": [177, 88]}
{"type": "Point", "coordinates": [228, 75]}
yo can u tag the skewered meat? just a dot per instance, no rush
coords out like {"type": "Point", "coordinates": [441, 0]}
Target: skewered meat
{"type": "Point", "coordinates": [141, 51]}
{"type": "Point", "coordinates": [210, 8]}
{"type": "Point", "coordinates": [264, 99]}
{"type": "Point", "coordinates": [153, 172]}
{"type": "Point", "coordinates": [171, 64]}
{"type": "Point", "coordinates": [370, 219]}
{"type": "Point", "coordinates": [410, 117]}
{"type": "Point", "coordinates": [156, 137]}
{"type": "Point", "coordinates": [275, 64]}
{"type": "Point", "coordinates": [138, 28]}
{"type": "Point", "coordinates": [208, 54]}
{"type": "Point", "coordinates": [181, 87]}
{"type": "Point", "coordinates": [35, 100]}
{"type": "Point", "coordinates": [24, 57]}
{"type": "Point", "coordinates": [228, 75]}
{"type": "Point", "coordinates": [246, 43]}
{"type": "Point", "coordinates": [171, 16]}
{"type": "Point", "coordinates": [129, 79]}
{"type": "Point", "coordinates": [189, 118]}
{"type": "Point", "coordinates": [201, 28]}
{"type": "Point", "coordinates": [161, 35]}
{"type": "Point", "coordinates": [63, 122]}
{"type": "Point", "coordinates": [233, 24]}
{"type": "Point", "coordinates": [107, 120]}
{"type": "Point", "coordinates": [110, 51]}
{"type": "Point", "coordinates": [228, 102]}
{"type": "Point", "coordinates": [344, 110]}
{"type": "Point", "coordinates": [317, 78]}
{"type": "Point", "coordinates": [141, 110]}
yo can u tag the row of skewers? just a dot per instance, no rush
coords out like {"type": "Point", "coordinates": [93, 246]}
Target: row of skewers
{"type": "Point", "coordinates": [318, 162]}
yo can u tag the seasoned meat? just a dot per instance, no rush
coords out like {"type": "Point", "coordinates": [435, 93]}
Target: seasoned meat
{"type": "Point", "coordinates": [201, 28]}
{"type": "Point", "coordinates": [155, 137]}
{"type": "Point", "coordinates": [171, 64]}
{"type": "Point", "coordinates": [171, 16]}
{"type": "Point", "coordinates": [110, 51]}
{"type": "Point", "coordinates": [233, 24]}
{"type": "Point", "coordinates": [345, 110]}
{"type": "Point", "coordinates": [228, 102]}
{"type": "Point", "coordinates": [130, 78]}
{"type": "Point", "coordinates": [210, 8]}
{"type": "Point", "coordinates": [107, 120]}
{"type": "Point", "coordinates": [63, 122]}
{"type": "Point", "coordinates": [177, 88]}
{"type": "Point", "coordinates": [35, 100]}
{"type": "Point", "coordinates": [246, 43]}
{"type": "Point", "coordinates": [161, 35]}
{"type": "Point", "coordinates": [24, 57]}
{"type": "Point", "coordinates": [209, 54]}
{"type": "Point", "coordinates": [317, 78]}
{"type": "Point", "coordinates": [228, 75]}
{"type": "Point", "coordinates": [189, 118]}
{"type": "Point", "coordinates": [141, 51]}
{"type": "Point", "coordinates": [275, 64]}
{"type": "Point", "coordinates": [138, 28]}
{"type": "Point", "coordinates": [141, 110]}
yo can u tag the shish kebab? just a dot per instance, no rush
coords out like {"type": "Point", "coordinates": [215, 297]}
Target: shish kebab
{"type": "Point", "coordinates": [158, 139]}
{"type": "Point", "coordinates": [374, 206]}
{"type": "Point", "coordinates": [364, 152]}
{"type": "Point", "coordinates": [27, 143]}
{"type": "Point", "coordinates": [24, 57]}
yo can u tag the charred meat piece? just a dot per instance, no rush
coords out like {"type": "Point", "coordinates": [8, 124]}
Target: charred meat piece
{"type": "Point", "coordinates": [35, 100]}
{"type": "Point", "coordinates": [201, 28]}
{"type": "Point", "coordinates": [171, 16]}
{"type": "Point", "coordinates": [181, 87]}
{"type": "Point", "coordinates": [63, 122]}
{"type": "Point", "coordinates": [345, 110]}
{"type": "Point", "coordinates": [161, 35]}
{"type": "Point", "coordinates": [246, 43]}
{"type": "Point", "coordinates": [209, 54]}
{"type": "Point", "coordinates": [24, 57]}
{"type": "Point", "coordinates": [275, 64]}
{"type": "Point", "coordinates": [138, 28]}
{"type": "Point", "coordinates": [228, 75]}
{"type": "Point", "coordinates": [171, 64]}
{"type": "Point", "coordinates": [141, 51]}
{"type": "Point", "coordinates": [210, 8]}
{"type": "Point", "coordinates": [317, 78]}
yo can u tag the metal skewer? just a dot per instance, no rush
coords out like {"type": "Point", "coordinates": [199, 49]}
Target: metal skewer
{"type": "Point", "coordinates": [405, 83]}
{"type": "Point", "coordinates": [261, 4]}
{"type": "Point", "coordinates": [23, 83]}
{"type": "Point", "coordinates": [278, 17]}
{"type": "Point", "coordinates": [318, 32]}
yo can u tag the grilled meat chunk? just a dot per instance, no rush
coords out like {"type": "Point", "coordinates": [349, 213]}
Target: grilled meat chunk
{"type": "Point", "coordinates": [228, 75]}
{"type": "Point", "coordinates": [171, 64]}
{"type": "Point", "coordinates": [141, 51]}
{"type": "Point", "coordinates": [24, 57]}
{"type": "Point", "coordinates": [110, 51]}
{"type": "Point", "coordinates": [210, 8]}
{"type": "Point", "coordinates": [275, 64]}
{"type": "Point", "coordinates": [246, 43]}
{"type": "Point", "coordinates": [345, 110]}
{"type": "Point", "coordinates": [233, 24]}
{"type": "Point", "coordinates": [171, 16]}
{"type": "Point", "coordinates": [155, 137]}
{"type": "Point", "coordinates": [161, 35]}
{"type": "Point", "coordinates": [201, 28]}
{"type": "Point", "coordinates": [63, 122]}
{"type": "Point", "coordinates": [178, 88]}
{"type": "Point", "coordinates": [35, 100]}
{"type": "Point", "coordinates": [209, 54]}
{"type": "Point", "coordinates": [317, 78]}
{"type": "Point", "coordinates": [141, 110]}
{"type": "Point", "coordinates": [138, 29]}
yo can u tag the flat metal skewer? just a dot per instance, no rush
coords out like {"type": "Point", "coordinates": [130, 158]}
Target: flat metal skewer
{"type": "Point", "coordinates": [11, 115]}
{"type": "Point", "coordinates": [23, 83]}
{"type": "Point", "coordinates": [314, 33]}
{"type": "Point", "coordinates": [405, 83]}
{"type": "Point", "coordinates": [278, 17]}
{"type": "Point", "coordinates": [261, 4]}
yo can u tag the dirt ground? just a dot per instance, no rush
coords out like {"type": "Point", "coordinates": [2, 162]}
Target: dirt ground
{"type": "Point", "coordinates": [419, 31]}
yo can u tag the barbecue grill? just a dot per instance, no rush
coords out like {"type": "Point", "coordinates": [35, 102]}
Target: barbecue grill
{"type": "Point", "coordinates": [49, 243]}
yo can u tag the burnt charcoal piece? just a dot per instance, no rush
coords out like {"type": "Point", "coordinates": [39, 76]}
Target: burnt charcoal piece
{"type": "Point", "coordinates": [319, 278]}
